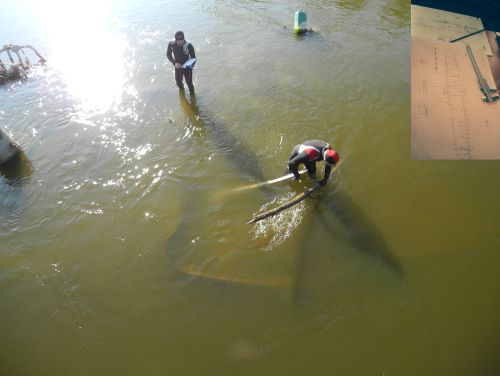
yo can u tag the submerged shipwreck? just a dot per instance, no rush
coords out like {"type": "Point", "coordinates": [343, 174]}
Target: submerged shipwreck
{"type": "Point", "coordinates": [12, 70]}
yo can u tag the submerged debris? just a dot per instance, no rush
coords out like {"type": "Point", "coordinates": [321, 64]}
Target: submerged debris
{"type": "Point", "coordinates": [11, 70]}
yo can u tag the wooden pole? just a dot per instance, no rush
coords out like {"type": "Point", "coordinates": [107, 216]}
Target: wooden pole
{"type": "Point", "coordinates": [286, 205]}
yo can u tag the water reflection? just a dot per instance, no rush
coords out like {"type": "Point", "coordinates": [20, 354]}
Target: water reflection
{"type": "Point", "coordinates": [190, 108]}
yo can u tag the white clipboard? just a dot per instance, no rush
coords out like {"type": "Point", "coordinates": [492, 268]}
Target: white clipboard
{"type": "Point", "coordinates": [189, 64]}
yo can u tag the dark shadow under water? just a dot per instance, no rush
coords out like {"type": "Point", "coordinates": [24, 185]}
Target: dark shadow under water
{"type": "Point", "coordinates": [16, 169]}
{"type": "Point", "coordinates": [362, 232]}
{"type": "Point", "coordinates": [221, 138]}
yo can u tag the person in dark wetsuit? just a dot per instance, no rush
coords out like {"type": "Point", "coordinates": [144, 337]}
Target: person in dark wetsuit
{"type": "Point", "coordinates": [308, 153]}
{"type": "Point", "coordinates": [178, 52]}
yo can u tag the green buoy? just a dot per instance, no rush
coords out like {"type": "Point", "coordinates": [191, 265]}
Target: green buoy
{"type": "Point", "coordinates": [300, 22]}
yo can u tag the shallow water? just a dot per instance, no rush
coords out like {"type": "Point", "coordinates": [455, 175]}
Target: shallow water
{"type": "Point", "coordinates": [125, 250]}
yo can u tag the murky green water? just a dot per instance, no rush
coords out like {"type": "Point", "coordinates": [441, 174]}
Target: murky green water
{"type": "Point", "coordinates": [126, 250]}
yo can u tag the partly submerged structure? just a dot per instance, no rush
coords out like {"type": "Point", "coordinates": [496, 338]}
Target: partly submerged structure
{"type": "Point", "coordinates": [11, 69]}
{"type": "Point", "coordinates": [8, 148]}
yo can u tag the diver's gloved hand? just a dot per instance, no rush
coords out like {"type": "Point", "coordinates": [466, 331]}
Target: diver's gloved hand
{"type": "Point", "coordinates": [296, 175]}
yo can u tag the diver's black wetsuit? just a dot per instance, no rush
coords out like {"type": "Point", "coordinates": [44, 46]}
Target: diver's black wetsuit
{"type": "Point", "coordinates": [181, 54]}
{"type": "Point", "coordinates": [308, 153]}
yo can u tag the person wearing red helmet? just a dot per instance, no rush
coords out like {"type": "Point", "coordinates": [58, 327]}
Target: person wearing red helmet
{"type": "Point", "coordinates": [308, 153]}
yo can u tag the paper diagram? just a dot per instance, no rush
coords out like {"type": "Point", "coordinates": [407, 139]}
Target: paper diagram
{"type": "Point", "coordinates": [449, 119]}
{"type": "Point", "coordinates": [445, 26]}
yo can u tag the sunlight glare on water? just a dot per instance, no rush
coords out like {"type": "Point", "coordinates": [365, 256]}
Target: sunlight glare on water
{"type": "Point", "coordinates": [88, 52]}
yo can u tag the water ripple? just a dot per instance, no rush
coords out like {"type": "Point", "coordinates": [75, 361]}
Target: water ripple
{"type": "Point", "coordinates": [276, 229]}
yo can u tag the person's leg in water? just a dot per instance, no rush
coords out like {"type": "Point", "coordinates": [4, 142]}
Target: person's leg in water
{"type": "Point", "coordinates": [311, 168]}
{"type": "Point", "coordinates": [178, 78]}
{"type": "Point", "coordinates": [188, 75]}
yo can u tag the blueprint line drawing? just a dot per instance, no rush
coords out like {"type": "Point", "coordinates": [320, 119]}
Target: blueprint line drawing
{"type": "Point", "coordinates": [440, 25]}
{"type": "Point", "coordinates": [449, 118]}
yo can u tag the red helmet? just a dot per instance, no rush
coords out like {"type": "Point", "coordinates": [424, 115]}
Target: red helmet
{"type": "Point", "coordinates": [331, 157]}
